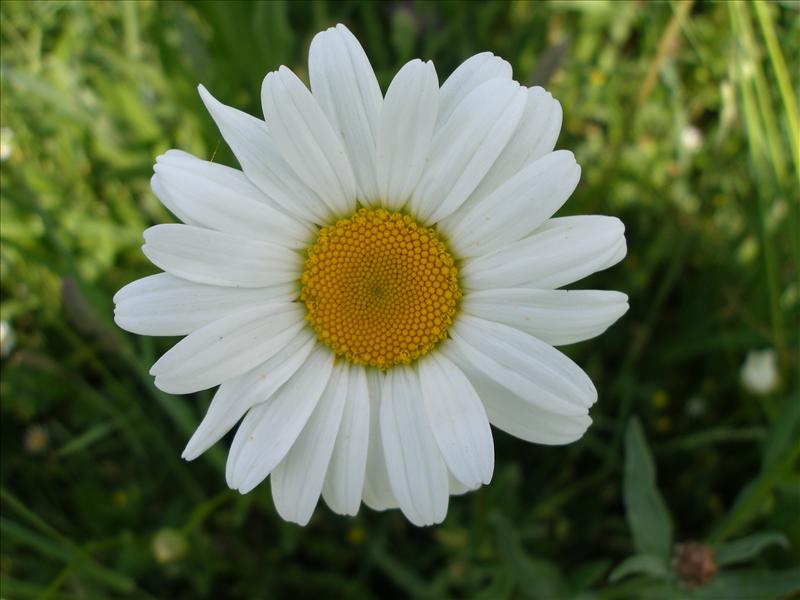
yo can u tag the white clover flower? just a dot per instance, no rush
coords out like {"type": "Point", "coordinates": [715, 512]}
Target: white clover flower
{"type": "Point", "coordinates": [6, 143]}
{"type": "Point", "coordinates": [378, 284]}
{"type": "Point", "coordinates": [691, 139]}
{"type": "Point", "coordinates": [760, 372]}
{"type": "Point", "coordinates": [8, 339]}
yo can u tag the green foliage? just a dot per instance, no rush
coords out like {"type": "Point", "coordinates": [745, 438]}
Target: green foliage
{"type": "Point", "coordinates": [684, 118]}
{"type": "Point", "coordinates": [648, 517]}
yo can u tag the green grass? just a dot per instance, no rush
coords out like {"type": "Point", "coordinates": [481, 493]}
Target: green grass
{"type": "Point", "coordinates": [96, 502]}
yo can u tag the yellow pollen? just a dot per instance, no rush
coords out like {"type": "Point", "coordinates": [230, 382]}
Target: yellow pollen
{"type": "Point", "coordinates": [380, 290]}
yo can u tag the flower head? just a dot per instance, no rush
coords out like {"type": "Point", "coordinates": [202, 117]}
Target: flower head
{"type": "Point", "coordinates": [378, 283]}
{"type": "Point", "coordinates": [759, 373]}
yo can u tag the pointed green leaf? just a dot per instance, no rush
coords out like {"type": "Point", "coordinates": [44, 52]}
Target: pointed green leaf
{"type": "Point", "coordinates": [639, 563]}
{"type": "Point", "coordinates": [648, 517]}
{"type": "Point", "coordinates": [749, 547]}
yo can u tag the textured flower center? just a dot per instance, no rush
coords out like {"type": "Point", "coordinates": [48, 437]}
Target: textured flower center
{"type": "Point", "coordinates": [380, 289]}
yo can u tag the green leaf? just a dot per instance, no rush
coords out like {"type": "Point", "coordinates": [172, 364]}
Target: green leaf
{"type": "Point", "coordinates": [749, 547]}
{"type": "Point", "coordinates": [648, 517]}
{"type": "Point", "coordinates": [639, 563]}
{"type": "Point", "coordinates": [747, 584]}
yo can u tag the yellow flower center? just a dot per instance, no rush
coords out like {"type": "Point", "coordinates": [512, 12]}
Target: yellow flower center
{"type": "Point", "coordinates": [380, 289]}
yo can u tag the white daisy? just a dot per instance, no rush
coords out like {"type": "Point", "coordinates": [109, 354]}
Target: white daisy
{"type": "Point", "coordinates": [378, 283]}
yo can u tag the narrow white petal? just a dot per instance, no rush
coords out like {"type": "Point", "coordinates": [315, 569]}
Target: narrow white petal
{"type": "Point", "coordinates": [557, 317]}
{"type": "Point", "coordinates": [469, 75]}
{"type": "Point", "coordinates": [251, 143]}
{"type": "Point", "coordinates": [270, 429]}
{"type": "Point", "coordinates": [457, 488]}
{"type": "Point", "coordinates": [561, 251]}
{"type": "Point", "coordinates": [166, 305]}
{"type": "Point", "coordinates": [238, 395]}
{"type": "Point", "coordinates": [345, 86]}
{"type": "Point", "coordinates": [168, 202]}
{"type": "Point", "coordinates": [298, 478]}
{"type": "Point", "coordinates": [378, 493]}
{"type": "Point", "coordinates": [217, 258]}
{"type": "Point", "coordinates": [535, 137]}
{"type": "Point", "coordinates": [344, 483]}
{"type": "Point", "coordinates": [516, 208]}
{"type": "Point", "coordinates": [227, 348]}
{"type": "Point", "coordinates": [307, 141]}
{"type": "Point", "coordinates": [417, 471]}
{"type": "Point", "coordinates": [528, 367]}
{"type": "Point", "coordinates": [458, 420]}
{"type": "Point", "coordinates": [465, 148]}
{"type": "Point", "coordinates": [515, 415]}
{"type": "Point", "coordinates": [218, 197]}
{"type": "Point", "coordinates": [405, 132]}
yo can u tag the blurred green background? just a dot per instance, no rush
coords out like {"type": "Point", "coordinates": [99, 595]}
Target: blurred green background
{"type": "Point", "coordinates": [684, 118]}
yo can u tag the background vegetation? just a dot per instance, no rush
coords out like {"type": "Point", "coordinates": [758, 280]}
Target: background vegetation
{"type": "Point", "coordinates": [684, 118]}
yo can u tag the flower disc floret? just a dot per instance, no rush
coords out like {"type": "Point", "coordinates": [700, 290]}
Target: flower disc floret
{"type": "Point", "coordinates": [380, 289]}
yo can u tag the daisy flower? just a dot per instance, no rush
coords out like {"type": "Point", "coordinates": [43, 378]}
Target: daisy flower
{"type": "Point", "coordinates": [378, 283]}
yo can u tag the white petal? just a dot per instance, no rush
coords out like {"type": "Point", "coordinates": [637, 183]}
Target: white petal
{"type": "Point", "coordinates": [298, 478]}
{"type": "Point", "coordinates": [535, 137]}
{"type": "Point", "coordinates": [458, 420]}
{"type": "Point", "coordinates": [465, 148]}
{"type": "Point", "coordinates": [251, 143]}
{"type": "Point", "coordinates": [516, 416]}
{"type": "Point", "coordinates": [405, 132]}
{"type": "Point", "coordinates": [218, 197]}
{"type": "Point", "coordinates": [528, 367]}
{"type": "Point", "coordinates": [516, 208]}
{"type": "Point", "coordinates": [344, 482]}
{"type": "Point", "coordinates": [307, 141]}
{"type": "Point", "coordinates": [557, 317]}
{"type": "Point", "coordinates": [227, 348]}
{"type": "Point", "coordinates": [166, 305]}
{"type": "Point", "coordinates": [238, 395]}
{"type": "Point", "coordinates": [345, 86]}
{"type": "Point", "coordinates": [168, 202]}
{"type": "Point", "coordinates": [417, 472]}
{"type": "Point", "coordinates": [468, 76]}
{"type": "Point", "coordinates": [270, 429]}
{"type": "Point", "coordinates": [216, 258]}
{"type": "Point", "coordinates": [560, 252]}
{"type": "Point", "coordinates": [457, 488]}
{"type": "Point", "coordinates": [378, 493]}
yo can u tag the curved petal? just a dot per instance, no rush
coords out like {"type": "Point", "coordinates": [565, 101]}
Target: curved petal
{"type": "Point", "coordinates": [560, 252]}
{"type": "Point", "coordinates": [227, 348]}
{"type": "Point", "coordinates": [515, 415]}
{"type": "Point", "coordinates": [168, 202]}
{"type": "Point", "coordinates": [307, 141]}
{"type": "Point", "coordinates": [262, 163]}
{"type": "Point", "coordinates": [378, 493]}
{"type": "Point", "coordinates": [238, 395]}
{"type": "Point", "coordinates": [458, 420]}
{"type": "Point", "coordinates": [528, 367]}
{"type": "Point", "coordinates": [557, 317]}
{"type": "Point", "coordinates": [270, 429]}
{"type": "Point", "coordinates": [405, 132]}
{"type": "Point", "coordinates": [465, 148]}
{"type": "Point", "coordinates": [220, 198]}
{"type": "Point", "coordinates": [298, 478]}
{"type": "Point", "coordinates": [166, 305]}
{"type": "Point", "coordinates": [417, 472]}
{"type": "Point", "coordinates": [516, 208]}
{"type": "Point", "coordinates": [344, 483]}
{"type": "Point", "coordinates": [217, 258]}
{"type": "Point", "coordinates": [469, 75]}
{"type": "Point", "coordinates": [535, 137]}
{"type": "Point", "coordinates": [345, 86]}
